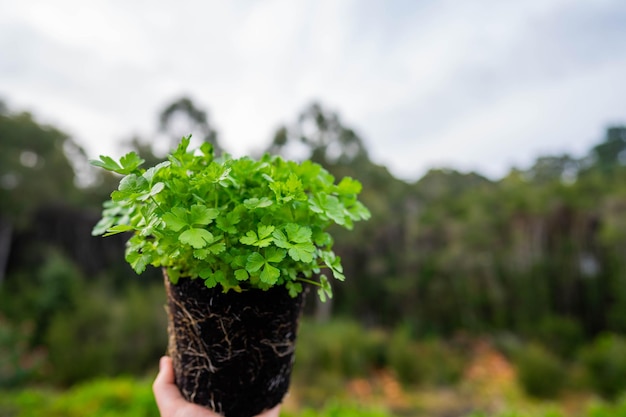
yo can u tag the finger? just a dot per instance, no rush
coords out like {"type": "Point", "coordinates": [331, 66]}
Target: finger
{"type": "Point", "coordinates": [166, 393]}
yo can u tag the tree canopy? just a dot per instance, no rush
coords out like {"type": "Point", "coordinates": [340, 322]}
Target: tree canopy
{"type": "Point", "coordinates": [453, 250]}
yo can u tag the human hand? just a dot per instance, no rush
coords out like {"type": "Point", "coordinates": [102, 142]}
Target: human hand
{"type": "Point", "coordinates": [171, 402]}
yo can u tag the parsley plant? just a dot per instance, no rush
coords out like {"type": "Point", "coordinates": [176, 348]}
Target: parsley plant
{"type": "Point", "coordinates": [238, 223]}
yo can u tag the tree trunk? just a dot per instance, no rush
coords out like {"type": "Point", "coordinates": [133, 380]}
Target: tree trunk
{"type": "Point", "coordinates": [232, 352]}
{"type": "Point", "coordinates": [6, 235]}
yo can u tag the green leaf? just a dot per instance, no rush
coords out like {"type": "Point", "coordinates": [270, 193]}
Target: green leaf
{"type": "Point", "coordinates": [325, 290]}
{"type": "Point", "coordinates": [280, 239]}
{"type": "Point", "coordinates": [334, 209]}
{"type": "Point", "coordinates": [328, 205]}
{"type": "Point", "coordinates": [322, 239]}
{"type": "Point", "coordinates": [349, 186]}
{"type": "Point", "coordinates": [104, 224]}
{"type": "Point", "coordinates": [181, 150]}
{"type": "Point", "coordinates": [274, 255]}
{"type": "Point", "coordinates": [334, 263]}
{"type": "Point", "coordinates": [107, 163]}
{"type": "Point", "coordinates": [156, 188]}
{"type": "Point", "coordinates": [262, 243]}
{"type": "Point", "coordinates": [212, 277]}
{"type": "Point", "coordinates": [209, 277]}
{"type": "Point", "coordinates": [270, 274]}
{"type": "Point", "coordinates": [294, 288]}
{"type": "Point", "coordinates": [265, 231]}
{"type": "Point", "coordinates": [236, 261]}
{"type": "Point", "coordinates": [133, 184]}
{"type": "Point", "coordinates": [173, 274]}
{"type": "Point", "coordinates": [130, 162]}
{"type": "Point", "coordinates": [263, 239]}
{"type": "Point", "coordinates": [198, 238]}
{"type": "Point", "coordinates": [205, 272]}
{"type": "Point", "coordinates": [217, 248]}
{"type": "Point", "coordinates": [151, 172]}
{"type": "Point", "coordinates": [201, 253]}
{"type": "Point", "coordinates": [241, 275]}
{"type": "Point", "coordinates": [176, 219]}
{"type": "Point", "coordinates": [359, 212]}
{"type": "Point", "coordinates": [255, 262]}
{"type": "Point", "coordinates": [321, 294]}
{"type": "Point", "coordinates": [119, 228]}
{"type": "Point", "coordinates": [302, 252]}
{"type": "Point", "coordinates": [138, 261]}
{"type": "Point", "coordinates": [215, 173]}
{"type": "Point", "coordinates": [254, 203]}
{"type": "Point", "coordinates": [227, 223]}
{"type": "Point", "coordinates": [207, 149]}
{"type": "Point", "coordinates": [250, 238]}
{"type": "Point", "coordinates": [219, 276]}
{"type": "Point", "coordinates": [298, 234]}
{"type": "Point", "coordinates": [298, 242]}
{"type": "Point", "coordinates": [202, 215]}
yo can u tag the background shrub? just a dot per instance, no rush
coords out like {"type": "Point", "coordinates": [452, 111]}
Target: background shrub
{"type": "Point", "coordinates": [562, 335]}
{"type": "Point", "coordinates": [18, 362]}
{"type": "Point", "coordinates": [540, 372]}
{"type": "Point", "coordinates": [120, 397]}
{"type": "Point", "coordinates": [605, 363]}
{"type": "Point", "coordinates": [343, 348]}
{"type": "Point", "coordinates": [430, 362]}
{"type": "Point", "coordinates": [108, 334]}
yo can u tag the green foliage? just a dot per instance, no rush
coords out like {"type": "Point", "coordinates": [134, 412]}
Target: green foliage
{"type": "Point", "coordinates": [19, 363]}
{"type": "Point", "coordinates": [121, 397]}
{"type": "Point", "coordinates": [341, 409]}
{"type": "Point", "coordinates": [237, 223]}
{"type": "Point", "coordinates": [428, 362]}
{"type": "Point", "coordinates": [34, 167]}
{"type": "Point", "coordinates": [73, 328]}
{"type": "Point", "coordinates": [605, 361]}
{"type": "Point", "coordinates": [603, 409]}
{"type": "Point", "coordinates": [561, 335]}
{"type": "Point", "coordinates": [108, 334]}
{"type": "Point", "coordinates": [453, 251]}
{"type": "Point", "coordinates": [541, 373]}
{"type": "Point", "coordinates": [516, 413]}
{"type": "Point", "coordinates": [126, 397]}
{"type": "Point", "coordinates": [34, 294]}
{"type": "Point", "coordinates": [596, 409]}
{"type": "Point", "coordinates": [341, 348]}
{"type": "Point", "coordinates": [344, 349]}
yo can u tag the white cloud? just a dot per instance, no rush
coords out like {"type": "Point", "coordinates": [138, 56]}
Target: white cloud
{"type": "Point", "coordinates": [477, 84]}
{"type": "Point", "coordinates": [568, 116]}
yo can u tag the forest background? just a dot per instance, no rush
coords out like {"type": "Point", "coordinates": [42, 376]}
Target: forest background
{"type": "Point", "coordinates": [464, 294]}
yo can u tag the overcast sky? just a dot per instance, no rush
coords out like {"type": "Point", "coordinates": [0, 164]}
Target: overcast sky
{"type": "Point", "coordinates": [469, 84]}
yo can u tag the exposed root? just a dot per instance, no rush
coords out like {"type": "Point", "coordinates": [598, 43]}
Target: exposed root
{"type": "Point", "coordinates": [232, 352]}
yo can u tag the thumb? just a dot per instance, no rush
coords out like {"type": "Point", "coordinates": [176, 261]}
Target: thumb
{"type": "Point", "coordinates": [166, 393]}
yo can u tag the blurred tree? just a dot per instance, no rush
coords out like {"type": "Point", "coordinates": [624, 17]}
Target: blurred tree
{"type": "Point", "coordinates": [612, 152]}
{"type": "Point", "coordinates": [183, 117]}
{"type": "Point", "coordinates": [145, 150]}
{"type": "Point", "coordinates": [554, 168]}
{"type": "Point", "coordinates": [322, 136]}
{"type": "Point", "coordinates": [34, 167]}
{"type": "Point", "coordinates": [453, 251]}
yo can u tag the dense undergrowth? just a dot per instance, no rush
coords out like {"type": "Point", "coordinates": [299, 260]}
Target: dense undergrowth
{"type": "Point", "coordinates": [128, 397]}
{"type": "Point", "coordinates": [342, 369]}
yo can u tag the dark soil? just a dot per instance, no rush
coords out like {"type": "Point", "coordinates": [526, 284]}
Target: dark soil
{"type": "Point", "coordinates": [232, 352]}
